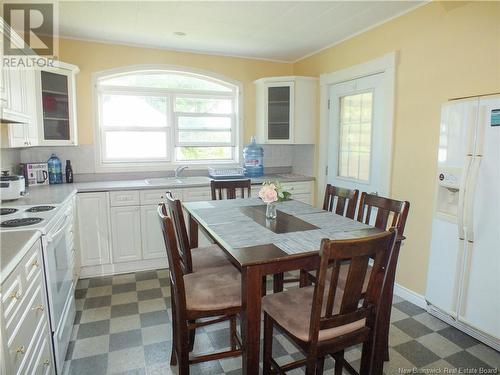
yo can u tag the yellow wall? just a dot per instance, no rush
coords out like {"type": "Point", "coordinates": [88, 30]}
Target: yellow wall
{"type": "Point", "coordinates": [93, 57]}
{"type": "Point", "coordinates": [446, 50]}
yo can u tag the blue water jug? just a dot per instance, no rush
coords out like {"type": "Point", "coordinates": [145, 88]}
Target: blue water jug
{"type": "Point", "coordinates": [55, 170]}
{"type": "Point", "coordinates": [253, 156]}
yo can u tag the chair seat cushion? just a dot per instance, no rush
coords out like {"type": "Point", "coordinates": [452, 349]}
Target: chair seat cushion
{"type": "Point", "coordinates": [292, 311]}
{"type": "Point", "coordinates": [213, 291]}
{"type": "Point", "coordinates": [205, 258]}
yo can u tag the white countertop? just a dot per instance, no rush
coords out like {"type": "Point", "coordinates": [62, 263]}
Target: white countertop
{"type": "Point", "coordinates": [14, 246]}
{"type": "Point", "coordinates": [57, 194]}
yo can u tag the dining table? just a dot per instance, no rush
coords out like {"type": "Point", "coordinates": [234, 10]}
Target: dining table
{"type": "Point", "coordinates": [258, 247]}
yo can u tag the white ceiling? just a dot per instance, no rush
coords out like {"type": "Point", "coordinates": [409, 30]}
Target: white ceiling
{"type": "Point", "coordinates": [277, 30]}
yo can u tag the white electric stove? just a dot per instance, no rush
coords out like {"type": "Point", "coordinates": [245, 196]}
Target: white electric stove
{"type": "Point", "coordinates": [55, 223]}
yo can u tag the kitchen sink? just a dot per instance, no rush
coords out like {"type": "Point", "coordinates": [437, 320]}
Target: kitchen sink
{"type": "Point", "coordinates": [177, 180]}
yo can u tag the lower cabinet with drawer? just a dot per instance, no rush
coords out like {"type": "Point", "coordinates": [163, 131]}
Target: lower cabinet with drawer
{"type": "Point", "coordinates": [120, 232]}
{"type": "Point", "coordinates": [24, 321]}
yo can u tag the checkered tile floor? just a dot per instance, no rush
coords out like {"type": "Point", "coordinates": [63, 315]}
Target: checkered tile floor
{"type": "Point", "coordinates": [123, 326]}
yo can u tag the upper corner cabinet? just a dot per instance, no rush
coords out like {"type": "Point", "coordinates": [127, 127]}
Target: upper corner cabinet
{"type": "Point", "coordinates": [286, 110]}
{"type": "Point", "coordinates": [56, 99]}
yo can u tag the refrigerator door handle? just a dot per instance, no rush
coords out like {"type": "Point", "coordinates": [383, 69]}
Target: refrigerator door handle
{"type": "Point", "coordinates": [480, 131]}
{"type": "Point", "coordinates": [470, 198]}
{"type": "Point", "coordinates": [462, 195]}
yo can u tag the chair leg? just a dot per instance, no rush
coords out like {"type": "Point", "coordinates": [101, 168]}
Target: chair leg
{"type": "Point", "coordinates": [320, 365]}
{"type": "Point", "coordinates": [366, 366]}
{"type": "Point", "coordinates": [173, 357]}
{"type": "Point", "coordinates": [182, 349]}
{"type": "Point", "coordinates": [232, 332]}
{"type": "Point", "coordinates": [311, 366]}
{"type": "Point", "coordinates": [304, 279]}
{"type": "Point", "coordinates": [192, 335]}
{"type": "Point", "coordinates": [268, 344]}
{"type": "Point", "coordinates": [278, 282]}
{"type": "Point", "coordinates": [339, 365]}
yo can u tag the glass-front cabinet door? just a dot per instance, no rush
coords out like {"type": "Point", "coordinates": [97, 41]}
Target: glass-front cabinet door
{"type": "Point", "coordinates": [279, 112]}
{"type": "Point", "coordinates": [57, 115]}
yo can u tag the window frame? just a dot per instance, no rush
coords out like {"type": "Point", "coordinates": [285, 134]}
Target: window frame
{"type": "Point", "coordinates": [170, 163]}
{"type": "Point", "coordinates": [339, 145]}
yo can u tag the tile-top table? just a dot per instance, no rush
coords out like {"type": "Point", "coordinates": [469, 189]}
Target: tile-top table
{"type": "Point", "coordinates": [260, 247]}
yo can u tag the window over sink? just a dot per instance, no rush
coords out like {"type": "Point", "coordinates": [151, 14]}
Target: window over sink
{"type": "Point", "coordinates": [151, 118]}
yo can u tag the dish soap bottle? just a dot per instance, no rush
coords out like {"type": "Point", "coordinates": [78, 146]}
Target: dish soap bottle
{"type": "Point", "coordinates": [253, 156]}
{"type": "Point", "coordinates": [55, 170]}
{"type": "Point", "coordinates": [69, 172]}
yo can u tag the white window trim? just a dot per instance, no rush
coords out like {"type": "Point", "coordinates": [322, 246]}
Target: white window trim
{"type": "Point", "coordinates": [386, 65]}
{"type": "Point", "coordinates": [141, 166]}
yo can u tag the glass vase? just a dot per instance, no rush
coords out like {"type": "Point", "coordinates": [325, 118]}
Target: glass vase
{"type": "Point", "coordinates": [271, 211]}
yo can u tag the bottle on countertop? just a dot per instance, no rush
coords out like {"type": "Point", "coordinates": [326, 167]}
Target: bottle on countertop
{"type": "Point", "coordinates": [55, 170]}
{"type": "Point", "coordinates": [69, 172]}
{"type": "Point", "coordinates": [253, 156]}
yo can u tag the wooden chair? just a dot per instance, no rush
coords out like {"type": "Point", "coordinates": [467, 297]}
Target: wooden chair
{"type": "Point", "coordinates": [230, 187]}
{"type": "Point", "coordinates": [323, 319]}
{"type": "Point", "coordinates": [390, 213]}
{"type": "Point", "coordinates": [194, 296]}
{"type": "Point", "coordinates": [200, 259]}
{"type": "Point", "coordinates": [345, 200]}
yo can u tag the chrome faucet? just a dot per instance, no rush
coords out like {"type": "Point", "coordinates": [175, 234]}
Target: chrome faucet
{"type": "Point", "coordinates": [179, 170]}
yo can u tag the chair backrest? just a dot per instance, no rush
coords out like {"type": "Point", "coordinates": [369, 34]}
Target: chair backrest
{"type": "Point", "coordinates": [333, 307]}
{"type": "Point", "coordinates": [175, 261]}
{"type": "Point", "coordinates": [346, 201]}
{"type": "Point", "coordinates": [230, 187]}
{"type": "Point", "coordinates": [176, 213]}
{"type": "Point", "coordinates": [386, 208]}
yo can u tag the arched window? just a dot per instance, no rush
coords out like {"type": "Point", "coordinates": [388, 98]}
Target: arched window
{"type": "Point", "coordinates": [157, 117]}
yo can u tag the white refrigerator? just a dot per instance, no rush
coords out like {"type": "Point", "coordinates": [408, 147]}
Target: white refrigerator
{"type": "Point", "coordinates": [463, 282]}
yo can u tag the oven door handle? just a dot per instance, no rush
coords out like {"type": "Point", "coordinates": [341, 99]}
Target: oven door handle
{"type": "Point", "coordinates": [52, 236]}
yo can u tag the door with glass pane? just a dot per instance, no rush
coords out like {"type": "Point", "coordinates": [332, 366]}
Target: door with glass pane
{"type": "Point", "coordinates": [356, 141]}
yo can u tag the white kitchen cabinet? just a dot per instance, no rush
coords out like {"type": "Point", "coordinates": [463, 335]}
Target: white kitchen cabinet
{"type": "Point", "coordinates": [126, 233]}
{"type": "Point", "coordinates": [14, 104]}
{"type": "Point", "coordinates": [153, 246]}
{"type": "Point", "coordinates": [24, 319]}
{"type": "Point", "coordinates": [56, 105]}
{"type": "Point", "coordinates": [286, 110]}
{"type": "Point", "coordinates": [93, 224]}
{"type": "Point", "coordinates": [21, 92]}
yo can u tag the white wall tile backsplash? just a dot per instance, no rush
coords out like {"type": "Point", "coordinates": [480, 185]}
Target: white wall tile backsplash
{"type": "Point", "coordinates": [82, 157]}
{"type": "Point", "coordinates": [10, 159]}
{"type": "Point", "coordinates": [278, 155]}
{"type": "Point", "coordinates": [299, 157]}
{"type": "Point", "coordinates": [303, 159]}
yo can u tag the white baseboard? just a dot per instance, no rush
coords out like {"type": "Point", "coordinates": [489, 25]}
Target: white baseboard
{"type": "Point", "coordinates": [410, 296]}
{"type": "Point", "coordinates": [125, 267]}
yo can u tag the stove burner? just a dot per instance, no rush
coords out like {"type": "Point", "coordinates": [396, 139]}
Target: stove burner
{"type": "Point", "coordinates": [40, 208]}
{"type": "Point", "coordinates": [6, 211]}
{"type": "Point", "coordinates": [20, 222]}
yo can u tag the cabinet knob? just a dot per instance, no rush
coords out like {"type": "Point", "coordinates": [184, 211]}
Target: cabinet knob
{"type": "Point", "coordinates": [46, 363]}
{"type": "Point", "coordinates": [38, 308]}
{"type": "Point", "coordinates": [21, 349]}
{"type": "Point", "coordinates": [35, 263]}
{"type": "Point", "coordinates": [15, 295]}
